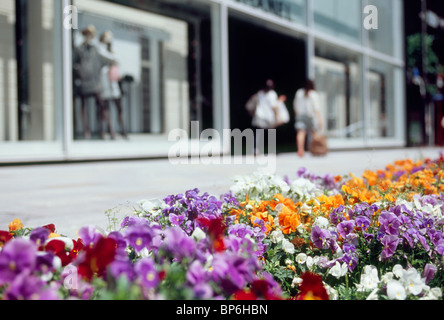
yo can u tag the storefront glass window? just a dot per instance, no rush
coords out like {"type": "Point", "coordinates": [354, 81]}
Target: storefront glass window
{"type": "Point", "coordinates": [341, 18]}
{"type": "Point", "coordinates": [338, 85]}
{"type": "Point", "coordinates": [30, 71]}
{"type": "Point", "coordinates": [386, 100]}
{"type": "Point", "coordinates": [387, 38]}
{"type": "Point", "coordinates": [147, 54]}
{"type": "Point", "coordinates": [293, 10]}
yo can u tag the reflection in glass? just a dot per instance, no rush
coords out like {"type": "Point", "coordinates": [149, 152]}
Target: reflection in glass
{"type": "Point", "coordinates": [338, 86]}
{"type": "Point", "coordinates": [29, 83]}
{"type": "Point", "coordinates": [385, 96]}
{"type": "Point", "coordinates": [341, 18]}
{"type": "Point", "coordinates": [293, 10]}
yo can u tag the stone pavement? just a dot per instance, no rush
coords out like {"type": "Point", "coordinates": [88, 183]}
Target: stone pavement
{"type": "Point", "coordinates": [78, 194]}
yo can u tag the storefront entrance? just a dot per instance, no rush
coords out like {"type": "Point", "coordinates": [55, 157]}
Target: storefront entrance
{"type": "Point", "coordinates": [258, 54]}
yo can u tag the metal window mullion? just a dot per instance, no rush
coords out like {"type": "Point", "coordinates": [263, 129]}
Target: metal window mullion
{"type": "Point", "coordinates": [365, 85]}
{"type": "Point", "coordinates": [310, 46]}
{"type": "Point", "coordinates": [68, 104]}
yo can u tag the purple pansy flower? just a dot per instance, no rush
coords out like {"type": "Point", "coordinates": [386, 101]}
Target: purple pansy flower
{"type": "Point", "coordinates": [89, 236]}
{"type": "Point", "coordinates": [176, 219]}
{"type": "Point", "coordinates": [390, 243]}
{"type": "Point", "coordinates": [28, 287]}
{"type": "Point", "coordinates": [345, 227]}
{"type": "Point", "coordinates": [363, 222]}
{"type": "Point", "coordinates": [429, 272]}
{"type": "Point", "coordinates": [39, 235]}
{"type": "Point", "coordinates": [17, 256]}
{"type": "Point", "coordinates": [139, 237]}
{"type": "Point", "coordinates": [147, 273]}
{"type": "Point", "coordinates": [389, 223]}
{"type": "Point", "coordinates": [320, 237]}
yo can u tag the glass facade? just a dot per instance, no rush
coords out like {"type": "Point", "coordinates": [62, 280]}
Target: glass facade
{"type": "Point", "coordinates": [168, 63]}
{"type": "Point", "coordinates": [293, 10]}
{"type": "Point", "coordinates": [339, 18]}
{"type": "Point", "coordinates": [30, 99]}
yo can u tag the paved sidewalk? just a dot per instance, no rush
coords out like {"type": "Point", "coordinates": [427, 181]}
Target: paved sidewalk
{"type": "Point", "coordinates": [78, 194]}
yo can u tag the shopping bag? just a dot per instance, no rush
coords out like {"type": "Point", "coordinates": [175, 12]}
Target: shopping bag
{"type": "Point", "coordinates": [251, 104]}
{"type": "Point", "coordinates": [282, 114]}
{"type": "Point", "coordinates": [114, 73]}
{"type": "Point", "coordinates": [318, 145]}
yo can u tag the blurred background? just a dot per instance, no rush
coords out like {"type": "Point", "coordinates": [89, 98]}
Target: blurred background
{"type": "Point", "coordinates": [200, 60]}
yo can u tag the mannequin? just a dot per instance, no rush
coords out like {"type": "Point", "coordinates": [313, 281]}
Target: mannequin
{"type": "Point", "coordinates": [110, 78]}
{"type": "Point", "coordinates": [88, 62]}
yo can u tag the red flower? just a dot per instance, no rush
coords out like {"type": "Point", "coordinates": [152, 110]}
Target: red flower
{"type": "Point", "coordinates": [50, 227]}
{"type": "Point", "coordinates": [58, 248]}
{"type": "Point", "coordinates": [95, 260]}
{"type": "Point", "coordinates": [78, 246]}
{"type": "Point", "coordinates": [216, 230]}
{"type": "Point", "coordinates": [5, 236]}
{"type": "Point", "coordinates": [312, 288]}
{"type": "Point", "coordinates": [259, 290]}
{"type": "Point", "coordinates": [244, 295]}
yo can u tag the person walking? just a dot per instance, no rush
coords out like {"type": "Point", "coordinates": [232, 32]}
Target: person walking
{"type": "Point", "coordinates": [264, 116]}
{"type": "Point", "coordinates": [307, 114]}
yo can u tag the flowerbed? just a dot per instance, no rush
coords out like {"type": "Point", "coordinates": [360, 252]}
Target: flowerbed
{"type": "Point", "coordinates": [379, 236]}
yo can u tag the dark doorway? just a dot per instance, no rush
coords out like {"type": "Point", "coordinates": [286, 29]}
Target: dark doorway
{"type": "Point", "coordinates": [258, 54]}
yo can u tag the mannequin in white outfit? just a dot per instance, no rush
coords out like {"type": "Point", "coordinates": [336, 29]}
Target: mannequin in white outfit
{"type": "Point", "coordinates": [110, 83]}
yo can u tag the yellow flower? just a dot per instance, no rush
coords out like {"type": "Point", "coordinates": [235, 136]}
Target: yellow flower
{"type": "Point", "coordinates": [15, 225]}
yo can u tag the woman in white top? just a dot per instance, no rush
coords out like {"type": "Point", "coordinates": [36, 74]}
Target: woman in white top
{"type": "Point", "coordinates": [264, 116]}
{"type": "Point", "coordinates": [307, 114]}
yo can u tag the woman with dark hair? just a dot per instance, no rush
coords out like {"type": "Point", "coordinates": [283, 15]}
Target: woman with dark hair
{"type": "Point", "coordinates": [307, 114]}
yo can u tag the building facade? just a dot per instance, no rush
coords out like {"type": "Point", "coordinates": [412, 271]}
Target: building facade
{"type": "Point", "coordinates": [197, 61]}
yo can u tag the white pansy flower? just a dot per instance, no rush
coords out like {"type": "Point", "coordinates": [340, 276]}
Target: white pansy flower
{"type": "Point", "coordinates": [296, 282]}
{"type": "Point", "coordinates": [288, 262]}
{"type": "Point", "coordinates": [198, 234]}
{"type": "Point", "coordinates": [303, 188]}
{"type": "Point", "coordinates": [339, 253]}
{"type": "Point", "coordinates": [408, 204]}
{"type": "Point", "coordinates": [372, 271]}
{"type": "Point", "coordinates": [338, 270]}
{"type": "Point", "coordinates": [153, 206]}
{"type": "Point", "coordinates": [433, 294]}
{"type": "Point", "coordinates": [321, 222]}
{"type": "Point", "coordinates": [301, 228]}
{"type": "Point", "coordinates": [276, 221]}
{"type": "Point", "coordinates": [398, 270]}
{"type": "Point", "coordinates": [301, 258]}
{"type": "Point", "coordinates": [412, 281]}
{"type": "Point", "coordinates": [305, 208]}
{"type": "Point", "coordinates": [387, 277]}
{"type": "Point", "coordinates": [309, 262]}
{"type": "Point", "coordinates": [369, 279]}
{"type": "Point", "coordinates": [276, 236]}
{"type": "Point", "coordinates": [373, 295]}
{"type": "Point", "coordinates": [332, 293]}
{"type": "Point", "coordinates": [287, 246]}
{"type": "Point", "coordinates": [144, 253]}
{"type": "Point", "coordinates": [395, 290]}
{"type": "Point", "coordinates": [259, 185]}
